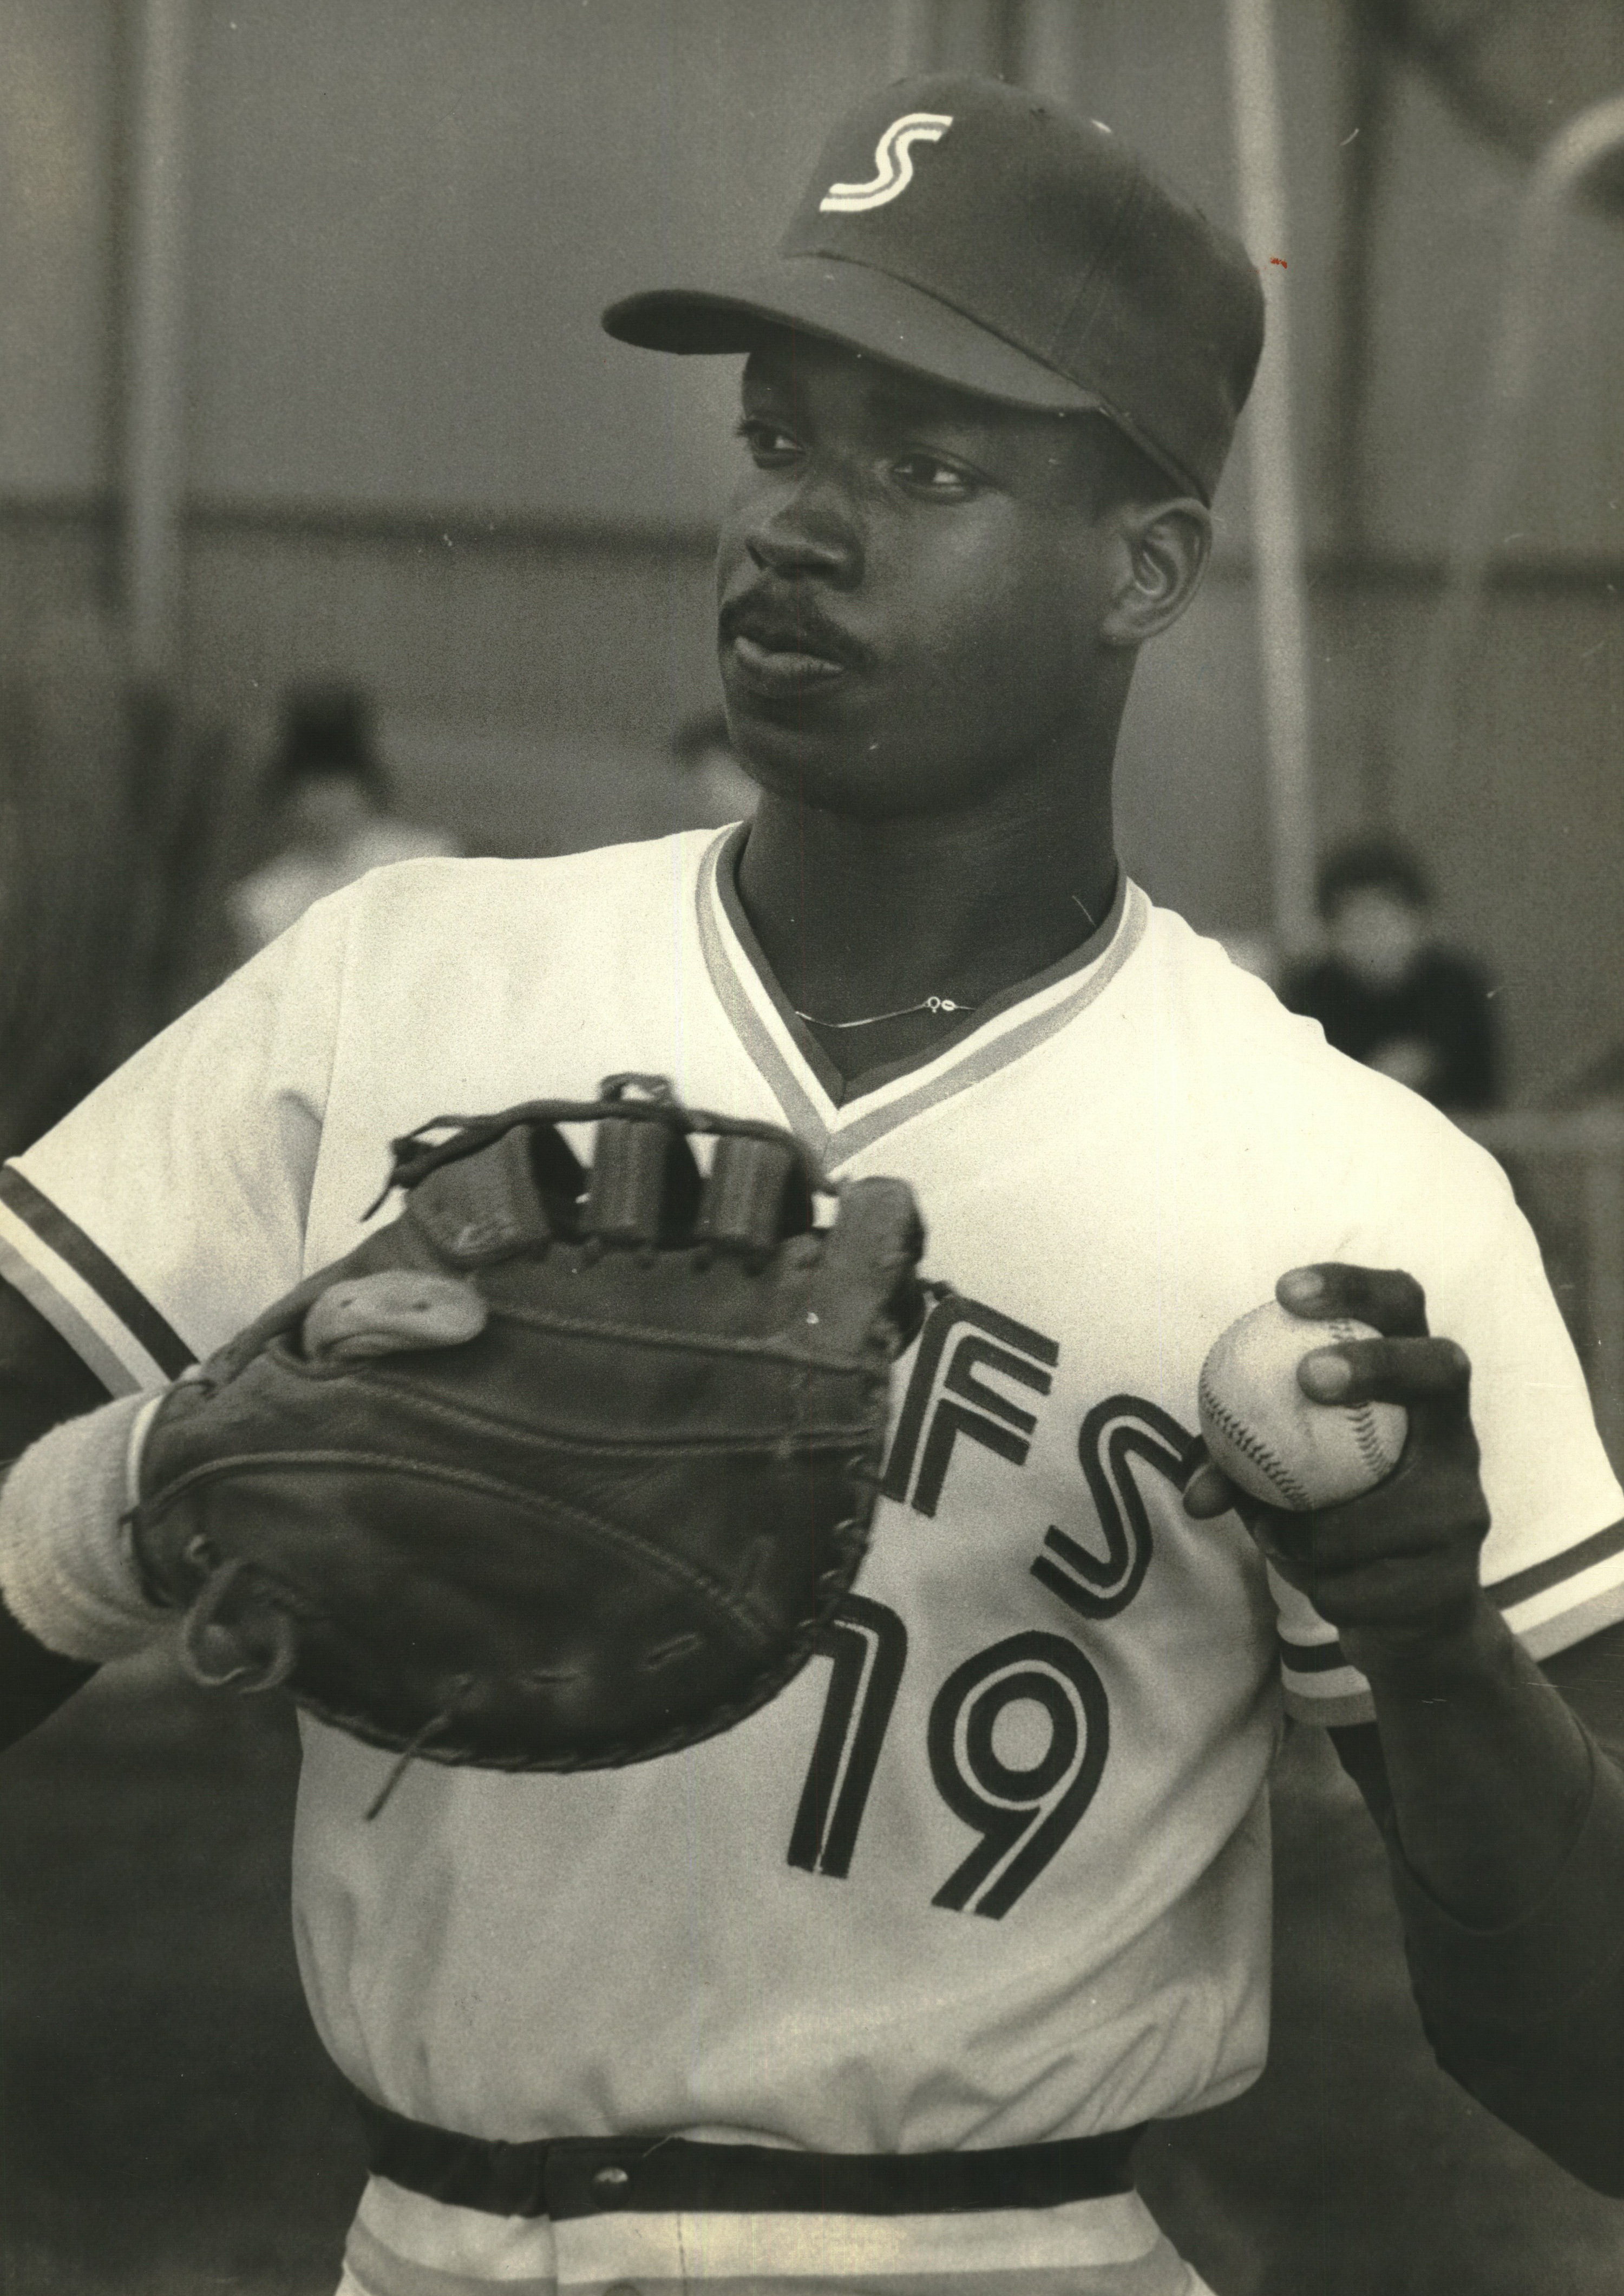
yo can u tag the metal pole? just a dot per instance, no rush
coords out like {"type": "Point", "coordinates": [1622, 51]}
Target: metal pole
{"type": "Point", "coordinates": [154, 406]}
{"type": "Point", "coordinates": [913, 36]}
{"type": "Point", "coordinates": [1047, 42]}
{"type": "Point", "coordinates": [1512, 372]}
{"type": "Point", "coordinates": [1275, 519]}
{"type": "Point", "coordinates": [1605, 1255]}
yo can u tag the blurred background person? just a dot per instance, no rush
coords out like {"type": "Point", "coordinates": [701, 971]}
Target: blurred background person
{"type": "Point", "coordinates": [1388, 991]}
{"type": "Point", "coordinates": [328, 798]}
{"type": "Point", "coordinates": [105, 826]}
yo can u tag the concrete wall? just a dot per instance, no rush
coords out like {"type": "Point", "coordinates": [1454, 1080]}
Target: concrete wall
{"type": "Point", "coordinates": [410, 454]}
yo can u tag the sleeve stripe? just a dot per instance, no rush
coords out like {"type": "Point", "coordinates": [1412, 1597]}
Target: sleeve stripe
{"type": "Point", "coordinates": [1541, 1576]}
{"type": "Point", "coordinates": [1509, 1594]}
{"type": "Point", "coordinates": [1330, 1710]}
{"type": "Point", "coordinates": [1311, 1658]}
{"type": "Point", "coordinates": [1546, 1636]}
{"type": "Point", "coordinates": [1319, 1682]}
{"type": "Point", "coordinates": [93, 1351]}
{"type": "Point", "coordinates": [87, 1260]}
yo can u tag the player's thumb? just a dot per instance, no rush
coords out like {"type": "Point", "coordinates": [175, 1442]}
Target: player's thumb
{"type": "Point", "coordinates": [393, 1312]}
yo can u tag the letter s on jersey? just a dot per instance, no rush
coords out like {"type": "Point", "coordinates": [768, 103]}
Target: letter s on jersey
{"type": "Point", "coordinates": [1114, 1434]}
{"type": "Point", "coordinates": [893, 164]}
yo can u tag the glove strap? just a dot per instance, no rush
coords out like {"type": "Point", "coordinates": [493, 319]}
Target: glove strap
{"type": "Point", "coordinates": [644, 1183]}
{"type": "Point", "coordinates": [756, 1191]}
{"type": "Point", "coordinates": [488, 1206]}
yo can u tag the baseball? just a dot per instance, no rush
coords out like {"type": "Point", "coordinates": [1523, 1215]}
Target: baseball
{"type": "Point", "coordinates": [1274, 1440]}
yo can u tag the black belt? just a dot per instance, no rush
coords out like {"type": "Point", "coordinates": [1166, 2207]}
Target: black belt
{"type": "Point", "coordinates": [564, 2176]}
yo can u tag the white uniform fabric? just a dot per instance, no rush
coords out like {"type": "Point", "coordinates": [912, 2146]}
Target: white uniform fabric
{"type": "Point", "coordinates": [275, 897]}
{"type": "Point", "coordinates": [1025, 1893]}
{"type": "Point", "coordinates": [1089, 2247]}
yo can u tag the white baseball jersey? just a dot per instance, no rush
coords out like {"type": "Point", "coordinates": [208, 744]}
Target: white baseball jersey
{"type": "Point", "coordinates": [994, 1867]}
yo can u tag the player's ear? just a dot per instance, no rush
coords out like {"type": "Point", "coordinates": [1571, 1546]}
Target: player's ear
{"type": "Point", "coordinates": [1164, 548]}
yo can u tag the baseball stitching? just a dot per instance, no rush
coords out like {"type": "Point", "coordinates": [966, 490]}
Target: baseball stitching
{"type": "Point", "coordinates": [1254, 1447]}
{"type": "Point", "coordinates": [1372, 1449]}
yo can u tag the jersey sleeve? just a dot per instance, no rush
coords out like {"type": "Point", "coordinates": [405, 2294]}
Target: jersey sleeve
{"type": "Point", "coordinates": [1553, 1560]}
{"type": "Point", "coordinates": [168, 1207]}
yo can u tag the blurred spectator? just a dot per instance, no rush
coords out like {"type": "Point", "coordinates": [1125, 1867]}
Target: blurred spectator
{"type": "Point", "coordinates": [105, 824]}
{"type": "Point", "coordinates": [1387, 991]}
{"type": "Point", "coordinates": [716, 788]}
{"type": "Point", "coordinates": [1253, 950]}
{"type": "Point", "coordinates": [332, 806]}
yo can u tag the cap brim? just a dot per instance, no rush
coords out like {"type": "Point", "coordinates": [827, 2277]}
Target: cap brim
{"type": "Point", "coordinates": [848, 303]}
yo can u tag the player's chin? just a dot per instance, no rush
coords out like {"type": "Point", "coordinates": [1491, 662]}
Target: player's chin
{"type": "Point", "coordinates": [821, 780]}
{"type": "Point", "coordinates": [821, 747]}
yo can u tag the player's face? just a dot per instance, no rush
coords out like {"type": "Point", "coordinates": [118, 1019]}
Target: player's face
{"type": "Point", "coordinates": [912, 582]}
{"type": "Point", "coordinates": [1377, 934]}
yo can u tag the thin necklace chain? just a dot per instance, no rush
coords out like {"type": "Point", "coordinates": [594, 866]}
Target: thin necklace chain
{"type": "Point", "coordinates": [925, 1005]}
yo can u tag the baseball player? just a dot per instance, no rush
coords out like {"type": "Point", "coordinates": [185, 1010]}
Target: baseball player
{"type": "Point", "coordinates": [874, 1990]}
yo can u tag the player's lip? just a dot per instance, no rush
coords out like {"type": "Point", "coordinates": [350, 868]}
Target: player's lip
{"type": "Point", "coordinates": [780, 647]}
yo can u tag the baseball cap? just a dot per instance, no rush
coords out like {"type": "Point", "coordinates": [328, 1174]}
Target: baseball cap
{"type": "Point", "coordinates": [991, 239]}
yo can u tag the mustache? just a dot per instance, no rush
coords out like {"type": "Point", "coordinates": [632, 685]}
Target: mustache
{"type": "Point", "coordinates": [789, 623]}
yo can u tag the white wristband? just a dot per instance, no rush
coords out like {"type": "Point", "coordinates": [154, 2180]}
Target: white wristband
{"type": "Point", "coordinates": [66, 1572]}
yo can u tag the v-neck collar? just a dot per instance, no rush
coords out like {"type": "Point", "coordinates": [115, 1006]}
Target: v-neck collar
{"type": "Point", "coordinates": [839, 1116]}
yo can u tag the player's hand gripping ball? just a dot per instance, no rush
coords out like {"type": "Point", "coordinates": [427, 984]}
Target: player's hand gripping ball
{"type": "Point", "coordinates": [563, 1468]}
{"type": "Point", "coordinates": [1274, 1440]}
{"type": "Point", "coordinates": [1394, 1566]}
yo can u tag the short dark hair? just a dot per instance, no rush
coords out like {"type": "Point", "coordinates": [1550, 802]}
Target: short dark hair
{"type": "Point", "coordinates": [326, 734]}
{"type": "Point", "coordinates": [1372, 861]}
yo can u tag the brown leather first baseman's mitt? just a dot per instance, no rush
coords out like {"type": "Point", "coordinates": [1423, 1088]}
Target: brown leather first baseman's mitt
{"type": "Point", "coordinates": [561, 1469]}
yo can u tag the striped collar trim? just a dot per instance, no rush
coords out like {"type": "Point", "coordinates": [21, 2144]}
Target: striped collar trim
{"type": "Point", "coordinates": [803, 1083]}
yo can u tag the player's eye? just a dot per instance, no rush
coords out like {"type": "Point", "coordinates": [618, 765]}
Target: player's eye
{"type": "Point", "coordinates": [931, 475]}
{"type": "Point", "coordinates": [770, 447]}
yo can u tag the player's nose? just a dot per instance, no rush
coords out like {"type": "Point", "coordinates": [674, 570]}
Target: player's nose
{"type": "Point", "coordinates": [810, 530]}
